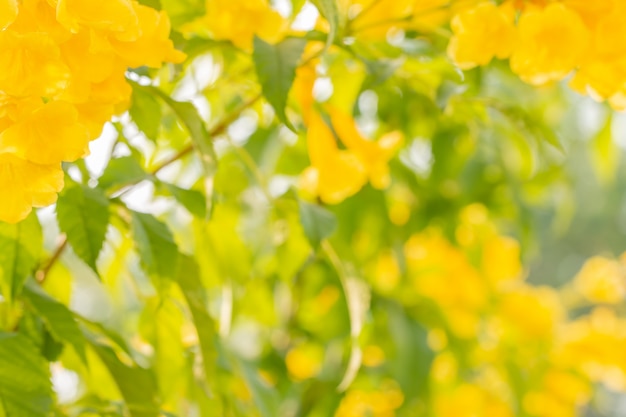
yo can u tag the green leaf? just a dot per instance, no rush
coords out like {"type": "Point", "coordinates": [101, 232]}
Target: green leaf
{"type": "Point", "coordinates": [145, 111]}
{"type": "Point", "coordinates": [329, 11]}
{"type": "Point", "coordinates": [25, 389]}
{"type": "Point", "coordinates": [83, 215]}
{"type": "Point", "coordinates": [137, 385]}
{"type": "Point", "coordinates": [194, 201]}
{"type": "Point", "coordinates": [188, 115]}
{"type": "Point", "coordinates": [121, 172]}
{"type": "Point", "coordinates": [57, 317]}
{"type": "Point", "coordinates": [604, 153]}
{"type": "Point", "coordinates": [276, 68]}
{"type": "Point", "coordinates": [188, 279]}
{"type": "Point", "coordinates": [20, 249]}
{"type": "Point", "coordinates": [157, 250]}
{"type": "Point", "coordinates": [200, 137]}
{"type": "Point", "coordinates": [317, 222]}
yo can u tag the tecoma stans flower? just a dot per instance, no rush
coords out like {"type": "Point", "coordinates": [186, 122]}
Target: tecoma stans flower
{"type": "Point", "coordinates": [335, 174]}
{"type": "Point", "coordinates": [482, 33]}
{"type": "Point", "coordinates": [240, 21]}
{"type": "Point", "coordinates": [8, 12]}
{"type": "Point", "coordinates": [546, 51]}
{"type": "Point", "coordinates": [63, 70]}
{"type": "Point", "coordinates": [374, 155]}
{"type": "Point", "coordinates": [28, 185]}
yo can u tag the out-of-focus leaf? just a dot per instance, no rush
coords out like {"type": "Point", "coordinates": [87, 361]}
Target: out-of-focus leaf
{"type": "Point", "coordinates": [604, 153]}
{"type": "Point", "coordinates": [137, 385]}
{"type": "Point", "coordinates": [25, 388]}
{"type": "Point", "coordinates": [20, 248]}
{"type": "Point", "coordinates": [145, 111]}
{"type": "Point", "coordinates": [276, 69]}
{"type": "Point", "coordinates": [157, 250]}
{"type": "Point", "coordinates": [83, 215]}
{"type": "Point", "coordinates": [122, 171]}
{"type": "Point", "coordinates": [188, 279]}
{"type": "Point", "coordinates": [183, 11]}
{"type": "Point", "coordinates": [265, 398]}
{"type": "Point", "coordinates": [58, 318]}
{"type": "Point", "coordinates": [188, 115]}
{"type": "Point", "coordinates": [193, 200]}
{"type": "Point", "coordinates": [329, 10]}
{"type": "Point", "coordinates": [318, 223]}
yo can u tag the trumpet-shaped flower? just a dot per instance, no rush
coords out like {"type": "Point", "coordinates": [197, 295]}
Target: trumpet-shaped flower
{"type": "Point", "coordinates": [482, 33]}
{"type": "Point", "coordinates": [552, 43]}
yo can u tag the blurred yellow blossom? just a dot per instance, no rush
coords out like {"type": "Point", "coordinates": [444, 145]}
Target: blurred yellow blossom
{"type": "Point", "coordinates": [240, 21]}
{"type": "Point", "coordinates": [304, 361]}
{"type": "Point", "coordinates": [482, 33]}
{"type": "Point", "coordinates": [602, 280]}
{"type": "Point", "coordinates": [371, 403]}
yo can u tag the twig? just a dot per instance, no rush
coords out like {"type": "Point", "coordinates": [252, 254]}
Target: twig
{"type": "Point", "coordinates": [42, 274]}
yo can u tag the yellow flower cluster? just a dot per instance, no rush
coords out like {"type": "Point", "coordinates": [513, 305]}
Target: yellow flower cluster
{"type": "Point", "coordinates": [62, 76]}
{"type": "Point", "coordinates": [503, 344]}
{"type": "Point", "coordinates": [547, 40]}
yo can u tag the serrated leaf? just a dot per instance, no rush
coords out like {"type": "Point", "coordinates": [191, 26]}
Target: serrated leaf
{"type": "Point", "coordinates": [58, 319]}
{"type": "Point", "coordinates": [157, 250]}
{"type": "Point", "coordinates": [25, 388]}
{"type": "Point", "coordinates": [145, 111]}
{"type": "Point", "coordinates": [137, 385]}
{"type": "Point", "coordinates": [276, 69]}
{"type": "Point", "coordinates": [83, 215]}
{"type": "Point", "coordinates": [20, 249]}
{"type": "Point", "coordinates": [317, 222]}
{"type": "Point", "coordinates": [122, 171]}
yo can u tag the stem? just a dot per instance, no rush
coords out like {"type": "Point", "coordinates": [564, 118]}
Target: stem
{"type": "Point", "coordinates": [42, 274]}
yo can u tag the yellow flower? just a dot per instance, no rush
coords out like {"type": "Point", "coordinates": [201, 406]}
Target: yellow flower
{"type": "Point", "coordinates": [8, 12]}
{"type": "Point", "coordinates": [593, 11]}
{"type": "Point", "coordinates": [374, 154]}
{"type": "Point", "coordinates": [31, 65]}
{"type": "Point", "coordinates": [380, 403]}
{"type": "Point", "coordinates": [602, 73]}
{"type": "Point", "coordinates": [153, 46]}
{"type": "Point", "coordinates": [531, 312]}
{"type": "Point", "coordinates": [561, 395]}
{"type": "Point", "coordinates": [501, 260]}
{"type": "Point", "coordinates": [117, 17]}
{"type": "Point", "coordinates": [602, 280]}
{"type": "Point", "coordinates": [552, 42]}
{"type": "Point", "coordinates": [470, 400]}
{"type": "Point", "coordinates": [304, 361]}
{"type": "Point", "coordinates": [482, 33]}
{"type": "Point", "coordinates": [334, 174]}
{"type": "Point", "coordinates": [595, 345]}
{"type": "Point", "coordinates": [239, 21]}
{"type": "Point", "coordinates": [46, 133]}
{"type": "Point", "coordinates": [26, 185]}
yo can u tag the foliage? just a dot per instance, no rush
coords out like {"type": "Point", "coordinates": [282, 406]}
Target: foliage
{"type": "Point", "coordinates": [336, 207]}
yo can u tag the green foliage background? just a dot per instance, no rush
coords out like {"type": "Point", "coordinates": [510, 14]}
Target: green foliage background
{"type": "Point", "coordinates": [194, 228]}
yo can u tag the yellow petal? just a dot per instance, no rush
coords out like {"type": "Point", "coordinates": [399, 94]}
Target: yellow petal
{"type": "Point", "coordinates": [8, 12]}
{"type": "Point", "coordinates": [25, 185]}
